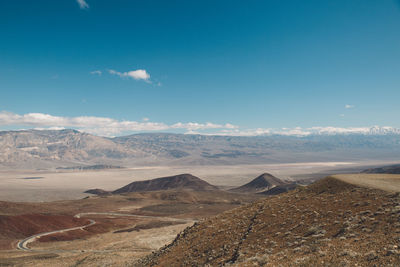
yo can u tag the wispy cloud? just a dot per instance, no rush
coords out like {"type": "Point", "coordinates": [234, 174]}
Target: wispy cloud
{"type": "Point", "coordinates": [349, 106]}
{"type": "Point", "coordinates": [96, 72]}
{"type": "Point", "coordinates": [82, 4]}
{"type": "Point", "coordinates": [134, 74]}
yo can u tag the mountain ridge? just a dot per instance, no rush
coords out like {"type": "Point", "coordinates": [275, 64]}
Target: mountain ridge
{"type": "Point", "coordinates": [32, 149]}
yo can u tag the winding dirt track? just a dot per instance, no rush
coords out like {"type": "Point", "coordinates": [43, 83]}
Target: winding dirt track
{"type": "Point", "coordinates": [23, 244]}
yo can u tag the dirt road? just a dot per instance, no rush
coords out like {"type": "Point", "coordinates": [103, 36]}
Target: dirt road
{"type": "Point", "coordinates": [22, 245]}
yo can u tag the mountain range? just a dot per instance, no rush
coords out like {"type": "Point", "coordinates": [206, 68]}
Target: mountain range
{"type": "Point", "coordinates": [37, 149]}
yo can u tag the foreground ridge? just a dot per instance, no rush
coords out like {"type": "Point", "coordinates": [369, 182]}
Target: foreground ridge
{"type": "Point", "coordinates": [329, 223]}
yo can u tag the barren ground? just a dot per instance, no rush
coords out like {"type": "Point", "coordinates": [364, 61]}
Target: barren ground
{"type": "Point", "coordinates": [120, 241]}
{"type": "Point", "coordinates": [113, 240]}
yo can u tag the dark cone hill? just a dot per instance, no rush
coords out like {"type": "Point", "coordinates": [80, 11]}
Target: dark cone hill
{"type": "Point", "coordinates": [262, 183]}
{"type": "Point", "coordinates": [176, 182]}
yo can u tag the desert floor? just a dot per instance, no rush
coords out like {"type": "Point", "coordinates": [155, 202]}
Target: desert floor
{"type": "Point", "coordinates": [51, 185]}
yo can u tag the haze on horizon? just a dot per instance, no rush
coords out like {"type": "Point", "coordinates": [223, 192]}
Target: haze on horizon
{"type": "Point", "coordinates": [208, 67]}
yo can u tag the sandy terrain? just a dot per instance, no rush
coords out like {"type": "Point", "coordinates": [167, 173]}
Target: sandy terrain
{"type": "Point", "coordinates": [62, 185]}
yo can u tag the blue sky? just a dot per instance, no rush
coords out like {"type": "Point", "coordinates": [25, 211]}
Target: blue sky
{"type": "Point", "coordinates": [240, 66]}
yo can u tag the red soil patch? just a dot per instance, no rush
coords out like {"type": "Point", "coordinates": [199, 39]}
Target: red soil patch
{"type": "Point", "coordinates": [17, 227]}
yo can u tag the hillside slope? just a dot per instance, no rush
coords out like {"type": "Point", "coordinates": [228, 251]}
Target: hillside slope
{"type": "Point", "coordinates": [329, 223]}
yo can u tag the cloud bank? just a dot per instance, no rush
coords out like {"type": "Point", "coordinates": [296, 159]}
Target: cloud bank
{"type": "Point", "coordinates": [104, 126]}
{"type": "Point", "coordinates": [101, 125]}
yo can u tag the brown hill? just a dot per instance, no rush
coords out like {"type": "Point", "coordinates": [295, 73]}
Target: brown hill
{"type": "Point", "coordinates": [329, 223]}
{"type": "Point", "coordinates": [263, 182]}
{"type": "Point", "coordinates": [181, 181]}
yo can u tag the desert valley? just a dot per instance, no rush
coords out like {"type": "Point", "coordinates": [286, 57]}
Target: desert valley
{"type": "Point", "coordinates": [199, 133]}
{"type": "Point", "coordinates": [87, 213]}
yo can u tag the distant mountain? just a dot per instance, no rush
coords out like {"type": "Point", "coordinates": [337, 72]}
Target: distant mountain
{"type": "Point", "coordinates": [392, 169]}
{"type": "Point", "coordinates": [262, 183]}
{"type": "Point", "coordinates": [181, 181]}
{"type": "Point", "coordinates": [33, 149]}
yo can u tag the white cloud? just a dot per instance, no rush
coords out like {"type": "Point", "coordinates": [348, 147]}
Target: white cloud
{"type": "Point", "coordinates": [82, 4]}
{"type": "Point", "coordinates": [246, 132]}
{"type": "Point", "coordinates": [134, 74]}
{"type": "Point", "coordinates": [145, 119]}
{"type": "Point", "coordinates": [100, 125]}
{"type": "Point", "coordinates": [96, 72]}
{"type": "Point", "coordinates": [192, 126]}
{"type": "Point", "coordinates": [349, 106]}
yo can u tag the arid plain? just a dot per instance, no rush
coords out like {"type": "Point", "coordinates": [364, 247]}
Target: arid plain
{"type": "Point", "coordinates": [125, 227]}
{"type": "Point", "coordinates": [51, 185]}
